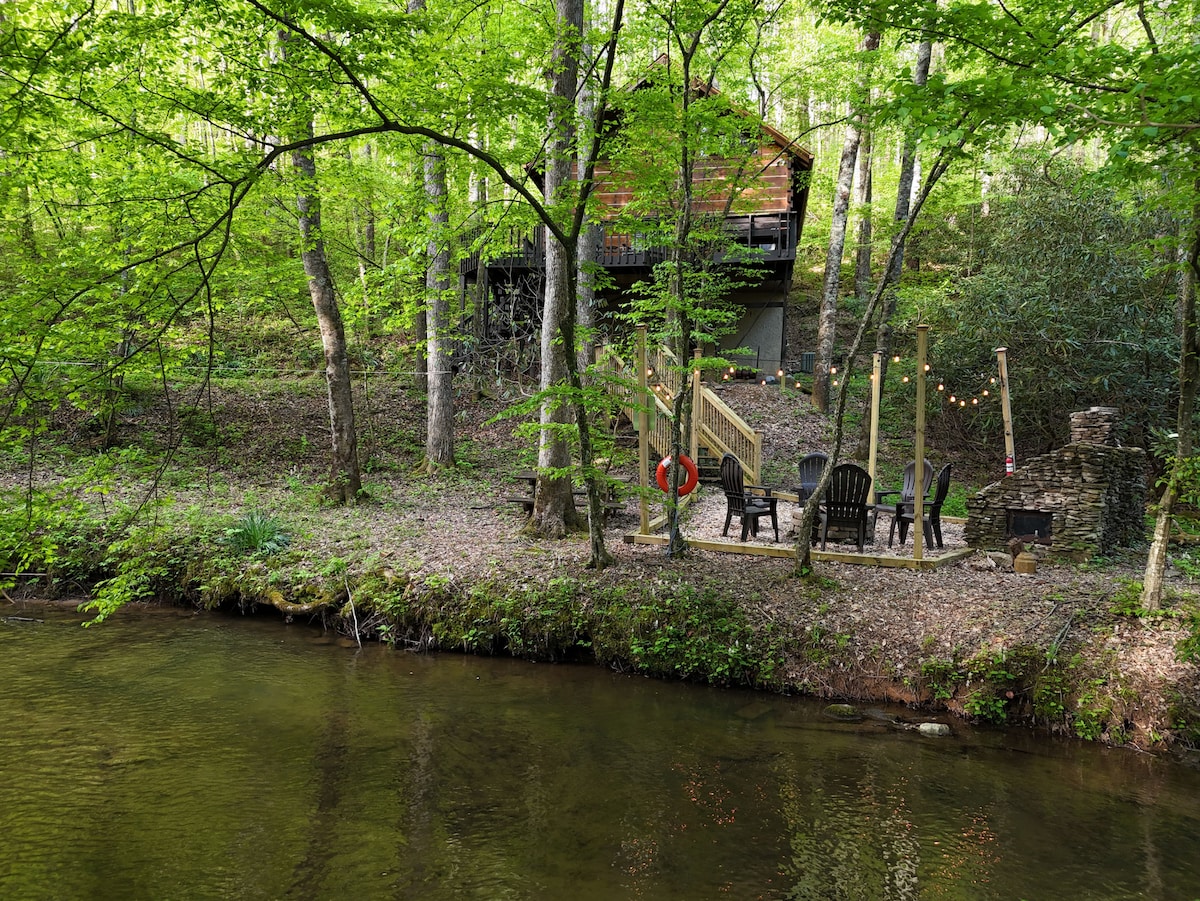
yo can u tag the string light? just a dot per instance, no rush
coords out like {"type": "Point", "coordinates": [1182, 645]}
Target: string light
{"type": "Point", "coordinates": [953, 399]}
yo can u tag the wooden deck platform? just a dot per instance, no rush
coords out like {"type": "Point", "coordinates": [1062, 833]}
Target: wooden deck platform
{"type": "Point", "coordinates": [930, 562]}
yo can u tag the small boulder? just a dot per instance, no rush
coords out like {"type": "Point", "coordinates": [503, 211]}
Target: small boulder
{"type": "Point", "coordinates": [934, 729]}
{"type": "Point", "coordinates": [847, 713]}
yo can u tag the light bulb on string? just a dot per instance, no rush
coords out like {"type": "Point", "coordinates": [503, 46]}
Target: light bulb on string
{"type": "Point", "coordinates": [962, 403]}
{"type": "Point", "coordinates": [941, 387]}
{"type": "Point", "coordinates": [905, 380]}
{"type": "Point", "coordinates": [896, 359]}
{"type": "Point", "coordinates": [974, 401]}
{"type": "Point", "coordinates": [953, 398]}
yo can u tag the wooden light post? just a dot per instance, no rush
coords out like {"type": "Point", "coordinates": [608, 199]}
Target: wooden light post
{"type": "Point", "coordinates": [919, 449]}
{"type": "Point", "coordinates": [876, 392]}
{"type": "Point", "coordinates": [1010, 458]}
{"type": "Point", "coordinates": [643, 433]}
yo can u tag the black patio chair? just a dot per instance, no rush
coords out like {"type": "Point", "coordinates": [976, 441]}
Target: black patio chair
{"type": "Point", "coordinates": [931, 512]}
{"type": "Point", "coordinates": [741, 503]}
{"type": "Point", "coordinates": [811, 466]}
{"type": "Point", "coordinates": [905, 494]}
{"type": "Point", "coordinates": [844, 505]}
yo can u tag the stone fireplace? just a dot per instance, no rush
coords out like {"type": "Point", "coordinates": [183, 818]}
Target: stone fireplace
{"type": "Point", "coordinates": [1085, 498]}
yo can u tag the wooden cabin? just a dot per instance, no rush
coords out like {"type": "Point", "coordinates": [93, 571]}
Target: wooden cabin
{"type": "Point", "coordinates": [761, 199]}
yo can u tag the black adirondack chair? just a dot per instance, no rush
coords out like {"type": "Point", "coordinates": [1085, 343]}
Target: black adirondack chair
{"type": "Point", "coordinates": [931, 518]}
{"type": "Point", "coordinates": [811, 467]}
{"type": "Point", "coordinates": [844, 505]}
{"type": "Point", "coordinates": [905, 495]}
{"type": "Point", "coordinates": [740, 502]}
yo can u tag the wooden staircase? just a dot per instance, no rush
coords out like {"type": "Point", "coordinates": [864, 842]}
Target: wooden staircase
{"type": "Point", "coordinates": [716, 429]}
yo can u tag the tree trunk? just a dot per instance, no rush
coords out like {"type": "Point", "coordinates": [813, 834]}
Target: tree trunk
{"type": "Point", "coordinates": [588, 248]}
{"type": "Point", "coordinates": [345, 479]}
{"type": "Point", "coordinates": [827, 324]}
{"type": "Point", "coordinates": [439, 442]}
{"type": "Point", "coordinates": [862, 201]}
{"type": "Point", "coordinates": [553, 503]}
{"type": "Point", "coordinates": [891, 275]}
{"type": "Point", "coordinates": [1189, 385]}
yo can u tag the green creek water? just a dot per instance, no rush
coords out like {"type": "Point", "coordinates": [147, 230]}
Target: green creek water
{"type": "Point", "coordinates": [163, 756]}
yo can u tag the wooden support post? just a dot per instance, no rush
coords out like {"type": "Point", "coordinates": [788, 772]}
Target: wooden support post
{"type": "Point", "coordinates": [694, 425]}
{"type": "Point", "coordinates": [919, 450]}
{"type": "Point", "coordinates": [876, 391]}
{"type": "Point", "coordinates": [1010, 456]}
{"type": "Point", "coordinates": [644, 401]}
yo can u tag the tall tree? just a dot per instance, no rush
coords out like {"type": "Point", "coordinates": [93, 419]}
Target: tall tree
{"type": "Point", "coordinates": [553, 502]}
{"type": "Point", "coordinates": [345, 477]}
{"type": "Point", "coordinates": [439, 440]}
{"type": "Point", "coordinates": [831, 283]}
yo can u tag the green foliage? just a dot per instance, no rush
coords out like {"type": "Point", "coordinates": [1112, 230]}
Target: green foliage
{"type": "Point", "coordinates": [1065, 280]}
{"type": "Point", "coordinates": [1000, 676]}
{"type": "Point", "coordinates": [149, 562]}
{"type": "Point", "coordinates": [676, 631]}
{"type": "Point", "coordinates": [257, 533]}
{"type": "Point", "coordinates": [1093, 712]}
{"type": "Point", "coordinates": [940, 678]}
{"type": "Point", "coordinates": [1188, 648]}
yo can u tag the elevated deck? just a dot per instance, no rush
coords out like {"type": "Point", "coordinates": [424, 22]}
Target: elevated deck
{"type": "Point", "coordinates": [771, 237]}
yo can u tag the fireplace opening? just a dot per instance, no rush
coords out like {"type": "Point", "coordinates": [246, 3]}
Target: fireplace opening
{"type": "Point", "coordinates": [1031, 526]}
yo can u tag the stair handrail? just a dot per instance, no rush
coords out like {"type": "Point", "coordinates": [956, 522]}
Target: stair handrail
{"type": "Point", "coordinates": [718, 427]}
{"type": "Point", "coordinates": [624, 386]}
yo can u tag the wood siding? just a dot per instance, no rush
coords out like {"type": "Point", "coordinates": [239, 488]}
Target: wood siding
{"type": "Point", "coordinates": [767, 177]}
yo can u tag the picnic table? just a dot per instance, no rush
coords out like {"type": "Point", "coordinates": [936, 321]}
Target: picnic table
{"type": "Point", "coordinates": [611, 503]}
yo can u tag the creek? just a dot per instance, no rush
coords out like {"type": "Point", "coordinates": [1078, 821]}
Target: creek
{"type": "Point", "coordinates": [164, 755]}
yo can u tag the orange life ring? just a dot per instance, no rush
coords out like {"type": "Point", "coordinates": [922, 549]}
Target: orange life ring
{"type": "Point", "coordinates": [689, 484]}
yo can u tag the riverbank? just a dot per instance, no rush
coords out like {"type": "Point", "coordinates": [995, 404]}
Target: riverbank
{"type": "Point", "coordinates": [441, 563]}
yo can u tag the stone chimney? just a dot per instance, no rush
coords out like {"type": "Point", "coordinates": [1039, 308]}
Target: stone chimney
{"type": "Point", "coordinates": [1096, 425]}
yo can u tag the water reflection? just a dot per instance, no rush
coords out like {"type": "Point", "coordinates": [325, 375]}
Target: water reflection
{"type": "Point", "coordinates": [161, 756]}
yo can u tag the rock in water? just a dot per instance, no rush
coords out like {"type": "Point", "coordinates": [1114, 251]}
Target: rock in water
{"type": "Point", "coordinates": [933, 729]}
{"type": "Point", "coordinates": [845, 712]}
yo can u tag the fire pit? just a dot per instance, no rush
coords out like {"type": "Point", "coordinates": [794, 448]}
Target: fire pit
{"type": "Point", "coordinates": [1086, 498]}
